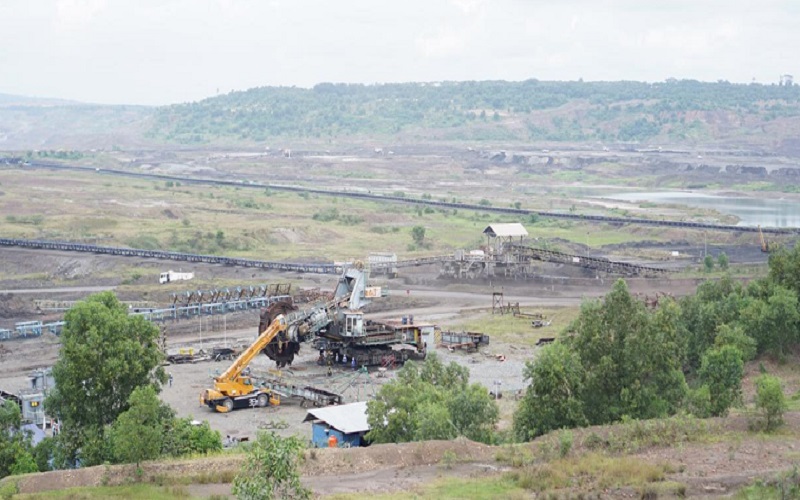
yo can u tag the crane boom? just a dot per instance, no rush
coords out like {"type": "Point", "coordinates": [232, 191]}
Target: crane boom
{"type": "Point", "coordinates": [234, 390]}
{"type": "Point", "coordinates": [277, 326]}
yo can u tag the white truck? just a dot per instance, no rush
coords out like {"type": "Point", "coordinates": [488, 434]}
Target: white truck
{"type": "Point", "coordinates": [170, 276]}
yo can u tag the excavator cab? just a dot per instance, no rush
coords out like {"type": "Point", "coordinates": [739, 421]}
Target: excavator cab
{"type": "Point", "coordinates": [353, 324]}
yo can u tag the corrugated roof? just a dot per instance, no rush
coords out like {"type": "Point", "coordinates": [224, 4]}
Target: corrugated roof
{"type": "Point", "coordinates": [505, 230]}
{"type": "Point", "coordinates": [35, 433]}
{"type": "Point", "coordinates": [347, 418]}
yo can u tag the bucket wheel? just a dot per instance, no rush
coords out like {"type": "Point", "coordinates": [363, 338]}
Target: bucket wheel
{"type": "Point", "coordinates": [280, 350]}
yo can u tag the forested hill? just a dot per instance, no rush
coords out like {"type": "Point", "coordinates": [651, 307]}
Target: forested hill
{"type": "Point", "coordinates": [673, 111]}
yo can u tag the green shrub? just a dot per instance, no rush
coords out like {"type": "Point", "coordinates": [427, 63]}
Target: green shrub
{"type": "Point", "coordinates": [565, 439]}
{"type": "Point", "coordinates": [770, 400]}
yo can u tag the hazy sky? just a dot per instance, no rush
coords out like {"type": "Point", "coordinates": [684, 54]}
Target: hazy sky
{"type": "Point", "coordinates": [166, 51]}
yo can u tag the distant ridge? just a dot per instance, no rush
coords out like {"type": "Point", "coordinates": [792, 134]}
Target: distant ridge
{"type": "Point", "coordinates": [20, 100]}
{"type": "Point", "coordinates": [673, 112]}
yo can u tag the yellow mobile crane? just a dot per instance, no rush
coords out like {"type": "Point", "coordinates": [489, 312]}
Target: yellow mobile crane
{"type": "Point", "coordinates": [232, 389]}
{"type": "Point", "coordinates": [764, 243]}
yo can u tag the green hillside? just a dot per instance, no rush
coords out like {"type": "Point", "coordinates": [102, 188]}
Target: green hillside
{"type": "Point", "coordinates": [674, 111]}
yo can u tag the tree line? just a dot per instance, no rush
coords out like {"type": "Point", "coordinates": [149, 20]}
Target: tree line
{"type": "Point", "coordinates": [618, 111]}
{"type": "Point", "coordinates": [621, 360]}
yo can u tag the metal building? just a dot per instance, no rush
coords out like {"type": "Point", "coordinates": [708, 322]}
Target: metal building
{"type": "Point", "coordinates": [347, 422]}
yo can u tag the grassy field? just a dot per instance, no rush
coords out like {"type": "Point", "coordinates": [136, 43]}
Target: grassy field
{"type": "Point", "coordinates": [260, 224]}
{"type": "Point", "coordinates": [136, 491]}
{"type": "Point", "coordinates": [513, 330]}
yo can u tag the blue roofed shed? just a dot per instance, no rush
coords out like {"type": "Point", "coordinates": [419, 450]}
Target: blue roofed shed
{"type": "Point", "coordinates": [347, 422]}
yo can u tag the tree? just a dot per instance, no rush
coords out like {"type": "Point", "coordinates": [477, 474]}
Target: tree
{"type": "Point", "coordinates": [105, 355]}
{"type": "Point", "coordinates": [553, 398]}
{"type": "Point", "coordinates": [715, 303]}
{"type": "Point", "coordinates": [183, 437]}
{"type": "Point", "coordinates": [137, 433]}
{"type": "Point", "coordinates": [770, 400]}
{"type": "Point", "coordinates": [43, 453]}
{"type": "Point", "coordinates": [735, 336]}
{"type": "Point", "coordinates": [418, 234]}
{"type": "Point", "coordinates": [15, 446]}
{"type": "Point", "coordinates": [722, 370]}
{"type": "Point", "coordinates": [708, 263]}
{"type": "Point", "coordinates": [784, 267]}
{"type": "Point", "coordinates": [473, 413]}
{"type": "Point", "coordinates": [774, 322]}
{"type": "Point", "coordinates": [271, 469]}
{"type": "Point", "coordinates": [431, 401]}
{"type": "Point", "coordinates": [605, 334]}
{"type": "Point", "coordinates": [722, 261]}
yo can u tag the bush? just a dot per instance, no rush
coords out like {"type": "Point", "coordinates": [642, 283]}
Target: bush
{"type": "Point", "coordinates": [8, 490]}
{"type": "Point", "coordinates": [722, 370]}
{"type": "Point", "coordinates": [271, 469]}
{"type": "Point", "coordinates": [565, 439]}
{"type": "Point", "coordinates": [770, 400]}
{"type": "Point", "coordinates": [183, 438]}
{"type": "Point", "coordinates": [700, 402]}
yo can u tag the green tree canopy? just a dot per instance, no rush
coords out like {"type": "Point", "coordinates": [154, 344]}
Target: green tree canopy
{"type": "Point", "coordinates": [431, 401]}
{"type": "Point", "coordinates": [105, 355]}
{"type": "Point", "coordinates": [271, 469]}
{"type": "Point", "coordinates": [137, 433]}
{"type": "Point", "coordinates": [770, 400]}
{"type": "Point", "coordinates": [774, 323]}
{"type": "Point", "coordinates": [554, 397]}
{"type": "Point", "coordinates": [418, 234]}
{"type": "Point", "coordinates": [784, 267]}
{"type": "Point", "coordinates": [15, 446]}
{"type": "Point", "coordinates": [722, 370]}
{"type": "Point", "coordinates": [632, 359]}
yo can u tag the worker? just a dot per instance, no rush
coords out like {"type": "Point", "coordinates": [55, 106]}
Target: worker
{"type": "Point", "coordinates": [170, 379]}
{"type": "Point", "coordinates": [332, 441]}
{"type": "Point", "coordinates": [353, 363]}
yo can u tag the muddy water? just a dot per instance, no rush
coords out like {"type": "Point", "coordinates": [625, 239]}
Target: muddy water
{"type": "Point", "coordinates": [756, 211]}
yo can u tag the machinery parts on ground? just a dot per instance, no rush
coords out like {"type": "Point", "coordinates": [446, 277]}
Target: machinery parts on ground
{"type": "Point", "coordinates": [306, 394]}
{"type": "Point", "coordinates": [470, 341]}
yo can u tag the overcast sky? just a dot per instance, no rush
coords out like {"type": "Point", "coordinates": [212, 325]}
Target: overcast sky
{"type": "Point", "coordinates": [168, 51]}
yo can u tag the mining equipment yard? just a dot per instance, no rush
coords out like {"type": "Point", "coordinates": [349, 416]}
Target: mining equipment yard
{"type": "Point", "coordinates": [454, 279]}
{"type": "Point", "coordinates": [418, 292]}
